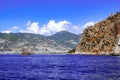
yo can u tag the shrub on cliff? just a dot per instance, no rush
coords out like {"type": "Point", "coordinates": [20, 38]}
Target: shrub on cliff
{"type": "Point", "coordinates": [72, 51]}
{"type": "Point", "coordinates": [118, 12]}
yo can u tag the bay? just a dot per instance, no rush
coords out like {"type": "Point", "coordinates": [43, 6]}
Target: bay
{"type": "Point", "coordinates": [59, 67]}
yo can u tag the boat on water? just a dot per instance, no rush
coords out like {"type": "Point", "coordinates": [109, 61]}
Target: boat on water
{"type": "Point", "coordinates": [25, 51]}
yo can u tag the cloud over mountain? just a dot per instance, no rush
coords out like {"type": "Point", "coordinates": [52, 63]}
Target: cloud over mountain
{"type": "Point", "coordinates": [50, 28]}
{"type": "Point", "coordinates": [13, 29]}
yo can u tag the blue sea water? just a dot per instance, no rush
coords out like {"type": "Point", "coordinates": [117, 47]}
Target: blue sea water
{"type": "Point", "coordinates": [59, 67]}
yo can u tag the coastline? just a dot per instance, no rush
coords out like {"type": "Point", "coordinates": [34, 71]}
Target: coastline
{"type": "Point", "coordinates": [60, 53]}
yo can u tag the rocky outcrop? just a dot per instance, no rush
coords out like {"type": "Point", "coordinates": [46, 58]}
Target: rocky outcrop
{"type": "Point", "coordinates": [117, 47]}
{"type": "Point", "coordinates": [102, 38]}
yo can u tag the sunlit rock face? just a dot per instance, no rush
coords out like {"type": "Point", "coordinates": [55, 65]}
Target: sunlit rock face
{"type": "Point", "coordinates": [102, 38]}
{"type": "Point", "coordinates": [117, 47]}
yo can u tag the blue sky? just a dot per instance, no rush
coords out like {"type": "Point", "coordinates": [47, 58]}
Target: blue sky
{"type": "Point", "coordinates": [47, 17]}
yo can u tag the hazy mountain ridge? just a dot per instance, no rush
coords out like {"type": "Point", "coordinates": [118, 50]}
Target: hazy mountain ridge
{"type": "Point", "coordinates": [102, 38]}
{"type": "Point", "coordinates": [65, 38]}
{"type": "Point", "coordinates": [57, 43]}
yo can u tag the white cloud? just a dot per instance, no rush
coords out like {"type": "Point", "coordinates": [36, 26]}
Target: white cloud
{"type": "Point", "coordinates": [50, 28]}
{"type": "Point", "coordinates": [31, 28]}
{"type": "Point", "coordinates": [46, 29]}
{"type": "Point", "coordinates": [28, 23]}
{"type": "Point", "coordinates": [13, 29]}
{"type": "Point", "coordinates": [7, 31]}
{"type": "Point", "coordinates": [88, 24]}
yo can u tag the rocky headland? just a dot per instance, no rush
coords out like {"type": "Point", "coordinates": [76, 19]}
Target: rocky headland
{"type": "Point", "coordinates": [102, 39]}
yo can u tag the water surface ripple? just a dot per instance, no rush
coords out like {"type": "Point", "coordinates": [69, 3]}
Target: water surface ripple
{"type": "Point", "coordinates": [59, 67]}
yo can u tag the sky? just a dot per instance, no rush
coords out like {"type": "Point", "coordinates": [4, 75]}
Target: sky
{"type": "Point", "coordinates": [47, 17]}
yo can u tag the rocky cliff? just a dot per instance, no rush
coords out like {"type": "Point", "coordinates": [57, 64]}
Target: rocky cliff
{"type": "Point", "coordinates": [102, 38]}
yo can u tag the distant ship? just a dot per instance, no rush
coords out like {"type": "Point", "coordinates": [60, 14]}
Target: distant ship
{"type": "Point", "coordinates": [25, 51]}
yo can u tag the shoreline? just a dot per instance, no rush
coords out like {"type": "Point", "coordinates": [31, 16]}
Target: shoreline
{"type": "Point", "coordinates": [60, 54]}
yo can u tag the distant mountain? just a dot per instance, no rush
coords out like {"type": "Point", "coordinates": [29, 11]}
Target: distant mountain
{"type": "Point", "coordinates": [66, 39]}
{"type": "Point", "coordinates": [20, 36]}
{"type": "Point", "coordinates": [60, 42]}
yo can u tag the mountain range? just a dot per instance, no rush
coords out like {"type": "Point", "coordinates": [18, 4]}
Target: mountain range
{"type": "Point", "coordinates": [60, 42]}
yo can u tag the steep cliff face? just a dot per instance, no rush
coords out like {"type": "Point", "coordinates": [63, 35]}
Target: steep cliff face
{"type": "Point", "coordinates": [102, 38]}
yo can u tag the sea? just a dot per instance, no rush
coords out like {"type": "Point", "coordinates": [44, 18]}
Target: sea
{"type": "Point", "coordinates": [59, 67]}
